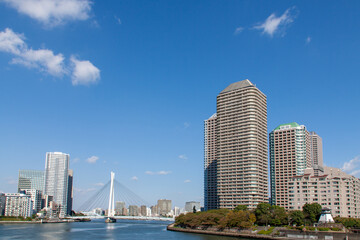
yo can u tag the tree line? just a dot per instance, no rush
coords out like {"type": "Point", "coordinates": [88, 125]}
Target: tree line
{"type": "Point", "coordinates": [264, 214]}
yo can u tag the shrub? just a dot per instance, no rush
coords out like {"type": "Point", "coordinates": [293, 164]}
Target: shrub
{"type": "Point", "coordinates": [335, 229]}
{"type": "Point", "coordinates": [266, 232]}
{"type": "Point", "coordinates": [323, 229]}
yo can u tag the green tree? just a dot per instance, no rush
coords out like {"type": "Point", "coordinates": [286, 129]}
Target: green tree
{"type": "Point", "coordinates": [241, 207]}
{"type": "Point", "coordinates": [194, 209]}
{"type": "Point", "coordinates": [262, 213]}
{"type": "Point", "coordinates": [278, 216]}
{"type": "Point", "coordinates": [297, 217]}
{"type": "Point", "coordinates": [312, 212]}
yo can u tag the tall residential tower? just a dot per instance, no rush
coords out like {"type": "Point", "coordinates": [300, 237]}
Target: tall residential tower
{"type": "Point", "coordinates": [316, 150]}
{"type": "Point", "coordinates": [240, 147]}
{"type": "Point", "coordinates": [289, 156]}
{"type": "Point", "coordinates": [210, 187]}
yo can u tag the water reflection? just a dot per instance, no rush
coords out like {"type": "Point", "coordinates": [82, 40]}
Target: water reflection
{"type": "Point", "coordinates": [123, 229]}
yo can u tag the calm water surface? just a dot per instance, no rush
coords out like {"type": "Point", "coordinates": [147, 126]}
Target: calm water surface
{"type": "Point", "coordinates": [97, 229]}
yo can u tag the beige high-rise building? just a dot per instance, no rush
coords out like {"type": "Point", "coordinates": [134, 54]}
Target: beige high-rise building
{"type": "Point", "coordinates": [289, 156]}
{"type": "Point", "coordinates": [333, 189]}
{"type": "Point", "coordinates": [241, 146]}
{"type": "Point", "coordinates": [316, 150]}
{"type": "Point", "coordinates": [210, 164]}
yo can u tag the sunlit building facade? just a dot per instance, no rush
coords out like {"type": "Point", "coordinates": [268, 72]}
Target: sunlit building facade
{"type": "Point", "coordinates": [237, 146]}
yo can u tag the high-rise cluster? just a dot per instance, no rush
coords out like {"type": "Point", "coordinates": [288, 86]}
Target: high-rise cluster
{"type": "Point", "coordinates": [235, 160]}
{"type": "Point", "coordinates": [50, 190]}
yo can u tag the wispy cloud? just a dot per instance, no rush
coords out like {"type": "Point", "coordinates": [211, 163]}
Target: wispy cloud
{"type": "Point", "coordinates": [11, 181]}
{"type": "Point", "coordinates": [52, 12]}
{"type": "Point", "coordinates": [46, 61]}
{"type": "Point", "coordinates": [275, 24]}
{"type": "Point", "coordinates": [183, 157]}
{"type": "Point", "coordinates": [81, 190]}
{"type": "Point", "coordinates": [134, 178]}
{"type": "Point", "coordinates": [99, 184]}
{"type": "Point", "coordinates": [158, 173]}
{"type": "Point", "coordinates": [238, 30]}
{"type": "Point", "coordinates": [186, 125]}
{"type": "Point", "coordinates": [352, 167]}
{"type": "Point", "coordinates": [187, 181]}
{"type": "Point", "coordinates": [84, 72]}
{"type": "Point", "coordinates": [92, 159]}
{"type": "Point", "coordinates": [118, 20]}
{"type": "Point", "coordinates": [308, 40]}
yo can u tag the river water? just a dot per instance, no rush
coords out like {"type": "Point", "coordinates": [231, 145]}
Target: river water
{"type": "Point", "coordinates": [97, 229]}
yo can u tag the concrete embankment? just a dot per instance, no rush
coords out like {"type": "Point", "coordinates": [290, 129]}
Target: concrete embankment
{"type": "Point", "coordinates": [282, 234]}
{"type": "Point", "coordinates": [223, 233]}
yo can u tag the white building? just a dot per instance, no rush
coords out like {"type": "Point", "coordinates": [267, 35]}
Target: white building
{"type": "Point", "coordinates": [176, 211]}
{"type": "Point", "coordinates": [36, 198]}
{"type": "Point", "coordinates": [18, 204]}
{"type": "Point", "coordinates": [148, 212]}
{"type": "Point", "coordinates": [56, 179]}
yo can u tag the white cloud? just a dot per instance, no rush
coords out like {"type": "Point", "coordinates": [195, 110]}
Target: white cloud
{"type": "Point", "coordinates": [352, 167]}
{"type": "Point", "coordinates": [43, 59]}
{"type": "Point", "coordinates": [308, 40]}
{"type": "Point", "coordinates": [238, 30]}
{"type": "Point", "coordinates": [92, 159]}
{"type": "Point", "coordinates": [272, 24]}
{"type": "Point", "coordinates": [158, 173]}
{"type": "Point", "coordinates": [118, 20]}
{"type": "Point", "coordinates": [84, 72]}
{"type": "Point", "coordinates": [135, 178]}
{"type": "Point", "coordinates": [186, 125]}
{"type": "Point", "coordinates": [187, 181]}
{"type": "Point", "coordinates": [53, 12]}
{"type": "Point", "coordinates": [99, 184]}
{"type": "Point", "coordinates": [12, 42]}
{"type": "Point", "coordinates": [183, 156]}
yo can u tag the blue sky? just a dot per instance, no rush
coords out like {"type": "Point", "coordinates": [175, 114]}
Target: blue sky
{"type": "Point", "coordinates": [126, 85]}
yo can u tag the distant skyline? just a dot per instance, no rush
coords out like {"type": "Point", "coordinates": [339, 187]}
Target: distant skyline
{"type": "Point", "coordinates": [125, 86]}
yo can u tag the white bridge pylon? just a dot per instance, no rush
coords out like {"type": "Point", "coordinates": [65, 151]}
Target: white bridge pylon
{"type": "Point", "coordinates": [111, 211]}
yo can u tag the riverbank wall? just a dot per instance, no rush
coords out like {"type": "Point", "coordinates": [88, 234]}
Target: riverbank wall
{"type": "Point", "coordinates": [281, 234]}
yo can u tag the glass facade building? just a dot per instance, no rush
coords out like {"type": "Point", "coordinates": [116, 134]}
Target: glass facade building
{"type": "Point", "coordinates": [57, 179]}
{"type": "Point", "coordinates": [31, 179]}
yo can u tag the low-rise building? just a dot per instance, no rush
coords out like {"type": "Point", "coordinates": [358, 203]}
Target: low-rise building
{"type": "Point", "coordinates": [164, 207]}
{"type": "Point", "coordinates": [133, 210]}
{"type": "Point", "coordinates": [189, 206]}
{"type": "Point", "coordinates": [36, 198]}
{"type": "Point", "coordinates": [18, 204]}
{"type": "Point", "coordinates": [119, 208]}
{"type": "Point", "coordinates": [332, 188]}
{"type": "Point", "coordinates": [143, 211]}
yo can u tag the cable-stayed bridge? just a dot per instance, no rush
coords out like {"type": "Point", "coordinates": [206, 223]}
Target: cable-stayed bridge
{"type": "Point", "coordinates": [106, 198]}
